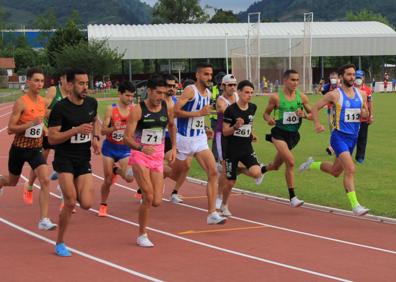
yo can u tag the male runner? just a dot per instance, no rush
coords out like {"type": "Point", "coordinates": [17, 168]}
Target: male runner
{"type": "Point", "coordinates": [73, 128]}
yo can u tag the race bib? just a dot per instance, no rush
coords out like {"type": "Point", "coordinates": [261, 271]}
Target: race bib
{"type": "Point", "coordinates": [152, 136]}
{"type": "Point", "coordinates": [34, 131]}
{"type": "Point", "coordinates": [244, 131]}
{"type": "Point", "coordinates": [290, 118]}
{"type": "Point", "coordinates": [80, 138]}
{"type": "Point", "coordinates": [352, 115]}
{"type": "Point", "coordinates": [198, 123]}
{"type": "Point", "coordinates": [118, 135]}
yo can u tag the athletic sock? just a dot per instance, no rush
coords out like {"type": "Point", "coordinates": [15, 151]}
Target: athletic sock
{"type": "Point", "coordinates": [174, 191]}
{"type": "Point", "coordinates": [291, 193]}
{"type": "Point", "coordinates": [315, 165]}
{"type": "Point", "coordinates": [263, 169]}
{"type": "Point", "coordinates": [353, 199]}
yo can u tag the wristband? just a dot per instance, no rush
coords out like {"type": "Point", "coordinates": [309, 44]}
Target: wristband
{"type": "Point", "coordinates": [140, 148]}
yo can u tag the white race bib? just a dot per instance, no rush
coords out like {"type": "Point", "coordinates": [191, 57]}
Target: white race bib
{"type": "Point", "coordinates": [118, 135]}
{"type": "Point", "coordinates": [244, 131]}
{"type": "Point", "coordinates": [198, 123]}
{"type": "Point", "coordinates": [352, 115]}
{"type": "Point", "coordinates": [34, 131]}
{"type": "Point", "coordinates": [152, 136]}
{"type": "Point", "coordinates": [290, 118]}
{"type": "Point", "coordinates": [80, 138]}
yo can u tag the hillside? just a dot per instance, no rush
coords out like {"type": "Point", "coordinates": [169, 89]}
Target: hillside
{"type": "Point", "coordinates": [90, 11]}
{"type": "Point", "coordinates": [324, 10]}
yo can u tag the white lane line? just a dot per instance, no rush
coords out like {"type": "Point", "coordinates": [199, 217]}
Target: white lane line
{"type": "Point", "coordinates": [7, 113]}
{"type": "Point", "coordinates": [83, 254]}
{"type": "Point", "coordinates": [275, 226]}
{"type": "Point", "coordinates": [216, 247]}
{"type": "Point", "coordinates": [5, 128]}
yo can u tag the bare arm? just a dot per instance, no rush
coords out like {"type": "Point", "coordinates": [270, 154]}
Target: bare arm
{"type": "Point", "coordinates": [105, 129]}
{"type": "Point", "coordinates": [365, 111]}
{"type": "Point", "coordinates": [307, 107]}
{"type": "Point", "coordinates": [330, 97]}
{"type": "Point", "coordinates": [13, 126]}
{"type": "Point", "coordinates": [221, 106]}
{"type": "Point", "coordinates": [129, 134]}
{"type": "Point", "coordinates": [172, 133]}
{"type": "Point", "coordinates": [272, 104]}
{"type": "Point", "coordinates": [51, 92]}
{"type": "Point", "coordinates": [186, 96]}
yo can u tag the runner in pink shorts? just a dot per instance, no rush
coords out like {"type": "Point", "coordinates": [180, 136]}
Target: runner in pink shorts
{"type": "Point", "coordinates": [145, 134]}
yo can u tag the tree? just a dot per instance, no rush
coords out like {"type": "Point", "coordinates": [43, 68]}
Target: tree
{"type": "Point", "coordinates": [95, 57]}
{"type": "Point", "coordinates": [179, 11]}
{"type": "Point", "coordinates": [67, 36]}
{"type": "Point", "coordinates": [45, 22]}
{"type": "Point", "coordinates": [222, 16]}
{"type": "Point", "coordinates": [367, 15]}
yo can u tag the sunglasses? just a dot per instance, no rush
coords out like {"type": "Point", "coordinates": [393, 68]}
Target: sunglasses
{"type": "Point", "coordinates": [171, 85]}
{"type": "Point", "coordinates": [231, 85]}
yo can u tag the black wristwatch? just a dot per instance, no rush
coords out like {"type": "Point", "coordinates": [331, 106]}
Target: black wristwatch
{"type": "Point", "coordinates": [140, 148]}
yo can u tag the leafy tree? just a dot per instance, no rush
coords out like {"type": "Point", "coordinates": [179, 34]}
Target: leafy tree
{"type": "Point", "coordinates": [45, 22]}
{"type": "Point", "coordinates": [367, 15]}
{"type": "Point", "coordinates": [95, 57]}
{"type": "Point", "coordinates": [66, 36]}
{"type": "Point", "coordinates": [223, 16]}
{"type": "Point", "coordinates": [179, 11]}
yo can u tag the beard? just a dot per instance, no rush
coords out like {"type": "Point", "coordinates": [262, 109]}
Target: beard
{"type": "Point", "coordinates": [347, 83]}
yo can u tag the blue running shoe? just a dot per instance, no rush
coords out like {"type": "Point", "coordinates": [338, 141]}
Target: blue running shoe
{"type": "Point", "coordinates": [54, 176]}
{"type": "Point", "coordinates": [62, 251]}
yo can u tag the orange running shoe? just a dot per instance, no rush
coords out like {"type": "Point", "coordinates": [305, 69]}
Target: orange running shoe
{"type": "Point", "coordinates": [102, 210]}
{"type": "Point", "coordinates": [27, 194]}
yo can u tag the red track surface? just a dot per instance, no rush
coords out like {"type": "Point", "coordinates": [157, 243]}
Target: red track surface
{"type": "Point", "coordinates": [265, 241]}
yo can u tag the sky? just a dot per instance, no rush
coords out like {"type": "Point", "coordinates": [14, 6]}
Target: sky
{"type": "Point", "coordinates": [234, 5]}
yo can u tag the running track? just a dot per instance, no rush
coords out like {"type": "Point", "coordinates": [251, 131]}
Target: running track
{"type": "Point", "coordinates": [265, 241]}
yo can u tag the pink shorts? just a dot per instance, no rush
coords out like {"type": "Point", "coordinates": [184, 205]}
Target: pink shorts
{"type": "Point", "coordinates": [153, 162]}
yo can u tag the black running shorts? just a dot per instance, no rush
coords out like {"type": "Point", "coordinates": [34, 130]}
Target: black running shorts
{"type": "Point", "coordinates": [18, 156]}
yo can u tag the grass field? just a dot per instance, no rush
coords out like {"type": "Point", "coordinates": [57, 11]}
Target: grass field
{"type": "Point", "coordinates": [375, 179]}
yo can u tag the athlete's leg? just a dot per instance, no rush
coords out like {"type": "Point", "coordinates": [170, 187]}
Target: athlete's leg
{"type": "Point", "coordinates": [85, 191]}
{"type": "Point", "coordinates": [32, 174]}
{"type": "Point", "coordinates": [157, 182]}
{"type": "Point", "coordinates": [43, 177]}
{"type": "Point", "coordinates": [125, 170]}
{"type": "Point", "coordinates": [108, 174]}
{"type": "Point", "coordinates": [288, 158]}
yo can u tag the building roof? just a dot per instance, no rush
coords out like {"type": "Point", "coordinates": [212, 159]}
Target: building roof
{"type": "Point", "coordinates": [167, 41]}
{"type": "Point", "coordinates": [7, 63]}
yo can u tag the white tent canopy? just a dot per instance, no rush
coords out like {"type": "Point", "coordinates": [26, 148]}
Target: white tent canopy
{"type": "Point", "coordinates": [189, 41]}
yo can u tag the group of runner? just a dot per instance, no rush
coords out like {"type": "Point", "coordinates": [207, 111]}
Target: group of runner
{"type": "Point", "coordinates": [139, 138]}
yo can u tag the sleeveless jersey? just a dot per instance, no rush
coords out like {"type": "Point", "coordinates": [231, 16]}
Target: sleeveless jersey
{"type": "Point", "coordinates": [348, 112]}
{"type": "Point", "coordinates": [120, 122]}
{"type": "Point", "coordinates": [194, 126]}
{"type": "Point", "coordinates": [150, 129]}
{"type": "Point", "coordinates": [220, 116]}
{"type": "Point", "coordinates": [58, 96]}
{"type": "Point", "coordinates": [33, 136]}
{"type": "Point", "coordinates": [286, 116]}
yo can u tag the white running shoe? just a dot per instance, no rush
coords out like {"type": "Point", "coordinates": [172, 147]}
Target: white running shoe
{"type": "Point", "coordinates": [296, 202]}
{"type": "Point", "coordinates": [225, 211]}
{"type": "Point", "coordinates": [176, 199]}
{"type": "Point", "coordinates": [219, 201]}
{"type": "Point", "coordinates": [360, 210]}
{"type": "Point", "coordinates": [46, 224]}
{"type": "Point", "coordinates": [306, 165]}
{"type": "Point", "coordinates": [260, 179]}
{"type": "Point", "coordinates": [143, 241]}
{"type": "Point", "coordinates": [215, 218]}
{"type": "Point", "coordinates": [129, 172]}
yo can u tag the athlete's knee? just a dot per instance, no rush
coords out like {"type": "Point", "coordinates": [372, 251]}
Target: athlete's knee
{"type": "Point", "coordinates": [70, 204]}
{"type": "Point", "coordinates": [212, 173]}
{"type": "Point", "coordinates": [85, 206]}
{"type": "Point", "coordinates": [349, 170]}
{"type": "Point", "coordinates": [290, 163]}
{"type": "Point", "coordinates": [107, 181]}
{"type": "Point", "coordinates": [148, 198]}
{"type": "Point", "coordinates": [156, 202]}
{"type": "Point", "coordinates": [44, 182]}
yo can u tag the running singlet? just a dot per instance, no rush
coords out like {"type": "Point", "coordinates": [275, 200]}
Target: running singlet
{"type": "Point", "coordinates": [220, 116]}
{"type": "Point", "coordinates": [120, 123]}
{"type": "Point", "coordinates": [33, 136]}
{"type": "Point", "coordinates": [194, 126]}
{"type": "Point", "coordinates": [242, 136]}
{"type": "Point", "coordinates": [348, 112]}
{"type": "Point", "coordinates": [150, 129]}
{"type": "Point", "coordinates": [56, 99]}
{"type": "Point", "coordinates": [286, 115]}
{"type": "Point", "coordinates": [68, 115]}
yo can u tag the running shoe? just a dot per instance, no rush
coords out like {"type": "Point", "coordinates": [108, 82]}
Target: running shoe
{"type": "Point", "coordinates": [46, 224]}
{"type": "Point", "coordinates": [54, 176]}
{"type": "Point", "coordinates": [260, 179]}
{"type": "Point", "coordinates": [305, 165]}
{"type": "Point", "coordinates": [329, 151]}
{"type": "Point", "coordinates": [215, 218]}
{"type": "Point", "coordinates": [102, 210]}
{"type": "Point", "coordinates": [360, 161]}
{"type": "Point", "coordinates": [360, 210]}
{"type": "Point", "coordinates": [129, 172]}
{"type": "Point", "coordinates": [296, 202]}
{"type": "Point", "coordinates": [27, 194]}
{"type": "Point", "coordinates": [143, 241]}
{"type": "Point", "coordinates": [61, 250]}
{"type": "Point", "coordinates": [219, 201]}
{"type": "Point", "coordinates": [225, 211]}
{"type": "Point", "coordinates": [176, 199]}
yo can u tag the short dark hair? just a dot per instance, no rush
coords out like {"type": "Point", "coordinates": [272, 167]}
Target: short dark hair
{"type": "Point", "coordinates": [244, 83]}
{"type": "Point", "coordinates": [156, 80]}
{"type": "Point", "coordinates": [333, 73]}
{"type": "Point", "coordinates": [341, 70]}
{"type": "Point", "coordinates": [30, 72]}
{"type": "Point", "coordinates": [71, 74]}
{"type": "Point", "coordinates": [203, 66]}
{"type": "Point", "coordinates": [187, 82]}
{"type": "Point", "coordinates": [170, 77]}
{"type": "Point", "coordinates": [287, 73]}
{"type": "Point", "coordinates": [126, 86]}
